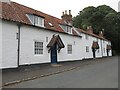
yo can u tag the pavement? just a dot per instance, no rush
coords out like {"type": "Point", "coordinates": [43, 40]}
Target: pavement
{"type": "Point", "coordinates": [31, 72]}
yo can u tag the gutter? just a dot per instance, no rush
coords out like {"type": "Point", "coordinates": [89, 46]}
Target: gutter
{"type": "Point", "coordinates": [18, 50]}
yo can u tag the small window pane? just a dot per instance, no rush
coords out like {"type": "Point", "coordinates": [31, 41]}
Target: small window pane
{"type": "Point", "coordinates": [38, 47]}
{"type": "Point", "coordinates": [36, 20]}
{"type": "Point", "coordinates": [69, 29]}
{"type": "Point", "coordinates": [69, 49]}
{"type": "Point", "coordinates": [87, 49]}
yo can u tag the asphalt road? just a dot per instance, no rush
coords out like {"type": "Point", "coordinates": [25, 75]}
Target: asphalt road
{"type": "Point", "coordinates": [98, 75]}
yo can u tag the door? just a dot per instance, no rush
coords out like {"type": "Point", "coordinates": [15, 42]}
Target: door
{"type": "Point", "coordinates": [94, 56]}
{"type": "Point", "coordinates": [107, 52]}
{"type": "Point", "coordinates": [54, 54]}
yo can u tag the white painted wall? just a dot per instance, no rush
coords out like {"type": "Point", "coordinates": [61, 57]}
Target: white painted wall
{"type": "Point", "coordinates": [30, 34]}
{"type": "Point", "coordinates": [76, 48]}
{"type": "Point", "coordinates": [88, 42]}
{"type": "Point", "coordinates": [9, 45]}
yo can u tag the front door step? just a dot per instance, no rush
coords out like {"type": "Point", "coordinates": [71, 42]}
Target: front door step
{"type": "Point", "coordinates": [56, 65]}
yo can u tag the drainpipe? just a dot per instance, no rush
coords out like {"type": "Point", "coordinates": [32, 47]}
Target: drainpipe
{"type": "Point", "coordinates": [101, 47]}
{"type": "Point", "coordinates": [18, 57]}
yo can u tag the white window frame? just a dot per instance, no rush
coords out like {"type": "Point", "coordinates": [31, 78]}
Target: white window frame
{"type": "Point", "coordinates": [38, 48]}
{"type": "Point", "coordinates": [69, 49]}
{"type": "Point", "coordinates": [66, 28]}
{"type": "Point", "coordinates": [35, 17]}
{"type": "Point", "coordinates": [69, 29]}
{"type": "Point", "coordinates": [87, 49]}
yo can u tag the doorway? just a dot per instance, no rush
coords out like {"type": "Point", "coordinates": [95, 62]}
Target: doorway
{"type": "Point", "coordinates": [54, 54]}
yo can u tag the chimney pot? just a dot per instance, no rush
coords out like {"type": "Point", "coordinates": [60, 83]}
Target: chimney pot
{"type": "Point", "coordinates": [89, 29]}
{"type": "Point", "coordinates": [65, 11]}
{"type": "Point", "coordinates": [67, 18]}
{"type": "Point", "coordinates": [101, 34]}
{"type": "Point", "coordinates": [69, 12]}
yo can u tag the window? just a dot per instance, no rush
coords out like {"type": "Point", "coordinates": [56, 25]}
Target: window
{"type": "Point", "coordinates": [87, 49]}
{"type": "Point", "coordinates": [36, 20]}
{"type": "Point", "coordinates": [38, 48]}
{"type": "Point", "coordinates": [17, 35]}
{"type": "Point", "coordinates": [69, 48]}
{"type": "Point", "coordinates": [67, 28]}
{"type": "Point", "coordinates": [86, 36]}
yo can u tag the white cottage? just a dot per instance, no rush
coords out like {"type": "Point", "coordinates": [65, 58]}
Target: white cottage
{"type": "Point", "coordinates": [29, 36]}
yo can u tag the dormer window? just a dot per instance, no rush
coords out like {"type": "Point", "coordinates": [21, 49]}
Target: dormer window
{"type": "Point", "coordinates": [67, 28]}
{"type": "Point", "coordinates": [36, 20]}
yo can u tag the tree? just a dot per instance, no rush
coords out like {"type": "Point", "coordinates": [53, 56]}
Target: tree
{"type": "Point", "coordinates": [101, 17]}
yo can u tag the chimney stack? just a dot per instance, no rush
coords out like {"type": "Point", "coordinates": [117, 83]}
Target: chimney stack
{"type": "Point", "coordinates": [67, 18]}
{"type": "Point", "coordinates": [89, 29]}
{"type": "Point", "coordinates": [69, 12]}
{"type": "Point", "coordinates": [65, 11]}
{"type": "Point", "coordinates": [101, 34]}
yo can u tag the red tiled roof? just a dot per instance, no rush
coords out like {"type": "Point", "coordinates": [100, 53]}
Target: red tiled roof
{"type": "Point", "coordinates": [56, 39]}
{"type": "Point", "coordinates": [17, 12]}
{"type": "Point", "coordinates": [91, 34]}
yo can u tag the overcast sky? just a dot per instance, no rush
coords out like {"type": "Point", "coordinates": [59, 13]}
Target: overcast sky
{"type": "Point", "coordinates": [56, 7]}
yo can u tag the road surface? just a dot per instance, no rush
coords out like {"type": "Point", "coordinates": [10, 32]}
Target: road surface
{"type": "Point", "coordinates": [98, 75]}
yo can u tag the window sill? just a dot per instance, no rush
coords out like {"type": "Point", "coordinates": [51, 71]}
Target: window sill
{"type": "Point", "coordinates": [38, 55]}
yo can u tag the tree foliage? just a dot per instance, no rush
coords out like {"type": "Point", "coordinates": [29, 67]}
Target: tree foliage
{"type": "Point", "coordinates": [101, 18]}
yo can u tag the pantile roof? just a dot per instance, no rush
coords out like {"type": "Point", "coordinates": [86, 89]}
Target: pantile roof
{"type": "Point", "coordinates": [16, 12]}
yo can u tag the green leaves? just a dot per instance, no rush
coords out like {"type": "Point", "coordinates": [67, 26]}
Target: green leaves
{"type": "Point", "coordinates": [101, 17]}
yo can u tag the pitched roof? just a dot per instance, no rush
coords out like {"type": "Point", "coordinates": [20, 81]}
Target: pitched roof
{"type": "Point", "coordinates": [92, 34]}
{"type": "Point", "coordinates": [16, 12]}
{"type": "Point", "coordinates": [56, 40]}
{"type": "Point", "coordinates": [108, 47]}
{"type": "Point", "coordinates": [95, 45]}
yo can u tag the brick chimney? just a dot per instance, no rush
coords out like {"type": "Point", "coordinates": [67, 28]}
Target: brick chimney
{"type": "Point", "coordinates": [101, 34]}
{"type": "Point", "coordinates": [67, 17]}
{"type": "Point", "coordinates": [89, 29]}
